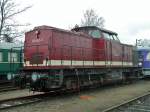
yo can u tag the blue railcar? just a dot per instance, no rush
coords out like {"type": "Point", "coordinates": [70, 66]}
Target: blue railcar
{"type": "Point", "coordinates": [144, 60]}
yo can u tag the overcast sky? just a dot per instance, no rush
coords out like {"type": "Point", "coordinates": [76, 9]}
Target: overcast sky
{"type": "Point", "coordinates": [129, 18]}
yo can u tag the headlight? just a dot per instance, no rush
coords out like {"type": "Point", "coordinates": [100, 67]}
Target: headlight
{"type": "Point", "coordinates": [140, 64]}
{"type": "Point", "coordinates": [34, 76]}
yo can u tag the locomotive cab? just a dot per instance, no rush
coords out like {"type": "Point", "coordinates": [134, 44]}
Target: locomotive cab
{"type": "Point", "coordinates": [97, 33]}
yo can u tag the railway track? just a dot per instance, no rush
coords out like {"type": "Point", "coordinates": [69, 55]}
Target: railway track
{"type": "Point", "coordinates": [7, 86]}
{"type": "Point", "coordinates": [139, 104]}
{"type": "Point", "coordinates": [20, 101]}
{"type": "Point", "coordinates": [25, 100]}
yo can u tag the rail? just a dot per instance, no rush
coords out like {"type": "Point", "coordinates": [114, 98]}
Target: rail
{"type": "Point", "coordinates": [138, 104]}
{"type": "Point", "coordinates": [20, 101]}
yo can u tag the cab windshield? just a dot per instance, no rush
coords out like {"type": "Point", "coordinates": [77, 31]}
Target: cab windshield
{"type": "Point", "coordinates": [94, 33]}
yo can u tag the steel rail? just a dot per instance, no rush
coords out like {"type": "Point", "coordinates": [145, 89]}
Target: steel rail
{"type": "Point", "coordinates": [20, 101]}
{"type": "Point", "coordinates": [8, 89]}
{"type": "Point", "coordinates": [126, 103]}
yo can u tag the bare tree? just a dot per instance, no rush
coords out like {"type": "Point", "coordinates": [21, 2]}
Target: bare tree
{"type": "Point", "coordinates": [8, 26]}
{"type": "Point", "coordinates": [92, 19]}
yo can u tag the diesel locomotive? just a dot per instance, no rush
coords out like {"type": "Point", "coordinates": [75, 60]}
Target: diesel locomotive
{"type": "Point", "coordinates": [87, 56]}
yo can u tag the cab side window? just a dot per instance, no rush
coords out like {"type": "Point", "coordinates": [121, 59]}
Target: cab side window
{"type": "Point", "coordinates": [110, 36]}
{"type": "Point", "coordinates": [1, 57]}
{"type": "Point", "coordinates": [106, 35]}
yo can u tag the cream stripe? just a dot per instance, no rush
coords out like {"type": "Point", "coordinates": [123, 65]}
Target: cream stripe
{"type": "Point", "coordinates": [76, 63]}
{"type": "Point", "coordinates": [55, 62]}
{"type": "Point", "coordinates": [88, 63]}
{"type": "Point", "coordinates": [99, 63]}
{"type": "Point", "coordinates": [66, 62]}
{"type": "Point", "coordinates": [80, 63]}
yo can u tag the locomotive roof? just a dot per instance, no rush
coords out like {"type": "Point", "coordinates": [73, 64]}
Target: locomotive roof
{"type": "Point", "coordinates": [58, 29]}
{"type": "Point", "coordinates": [6, 45]}
{"type": "Point", "coordinates": [94, 27]}
{"type": "Point", "coordinates": [49, 27]}
{"type": "Point", "coordinates": [77, 28]}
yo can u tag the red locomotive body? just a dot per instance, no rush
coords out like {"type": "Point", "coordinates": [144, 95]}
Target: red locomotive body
{"type": "Point", "coordinates": [47, 47]}
{"type": "Point", "coordinates": [57, 58]}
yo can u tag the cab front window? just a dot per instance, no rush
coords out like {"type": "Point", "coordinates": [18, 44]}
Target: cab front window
{"type": "Point", "coordinates": [95, 33]}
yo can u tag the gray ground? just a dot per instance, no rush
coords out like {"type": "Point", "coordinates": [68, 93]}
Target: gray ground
{"type": "Point", "coordinates": [89, 101]}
